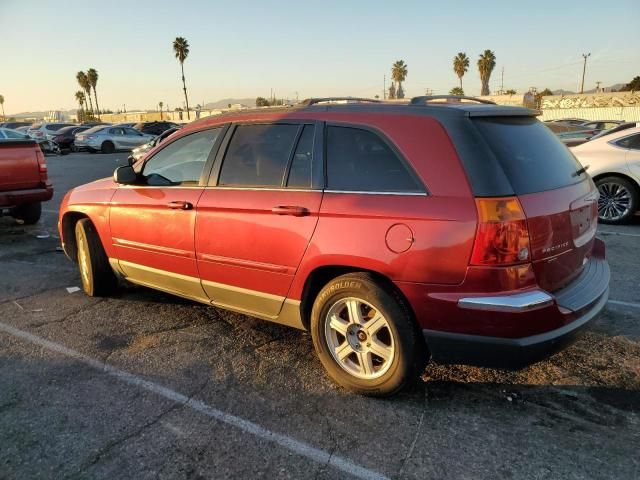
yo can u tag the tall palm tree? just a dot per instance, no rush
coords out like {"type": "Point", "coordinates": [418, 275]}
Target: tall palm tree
{"type": "Point", "coordinates": [460, 65]}
{"type": "Point", "coordinates": [81, 101]}
{"type": "Point", "coordinates": [161, 104]}
{"type": "Point", "coordinates": [83, 81]}
{"type": "Point", "coordinates": [2, 105]}
{"type": "Point", "coordinates": [181, 50]}
{"type": "Point", "coordinates": [399, 74]}
{"type": "Point", "coordinates": [92, 77]}
{"type": "Point", "coordinates": [486, 64]}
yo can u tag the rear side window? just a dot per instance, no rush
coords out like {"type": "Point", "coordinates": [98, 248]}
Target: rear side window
{"type": "Point", "coordinates": [532, 157]}
{"type": "Point", "coordinates": [359, 160]}
{"type": "Point", "coordinates": [632, 142]}
{"type": "Point", "coordinates": [300, 173]}
{"type": "Point", "coordinates": [258, 155]}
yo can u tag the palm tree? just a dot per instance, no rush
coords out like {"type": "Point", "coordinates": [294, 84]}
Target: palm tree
{"type": "Point", "coordinates": [92, 77]}
{"type": "Point", "coordinates": [399, 74]}
{"type": "Point", "coordinates": [81, 101]}
{"type": "Point", "coordinates": [181, 49]}
{"type": "Point", "coordinates": [161, 105]}
{"type": "Point", "coordinates": [460, 65]}
{"type": "Point", "coordinates": [83, 81]}
{"type": "Point", "coordinates": [2, 105]}
{"type": "Point", "coordinates": [486, 64]}
{"type": "Point", "coordinates": [457, 91]}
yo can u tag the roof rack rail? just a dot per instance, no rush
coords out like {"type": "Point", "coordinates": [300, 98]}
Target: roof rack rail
{"type": "Point", "coordinates": [314, 101]}
{"type": "Point", "coordinates": [449, 98]}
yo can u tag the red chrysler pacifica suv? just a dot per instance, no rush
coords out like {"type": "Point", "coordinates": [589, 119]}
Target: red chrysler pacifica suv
{"type": "Point", "coordinates": [455, 230]}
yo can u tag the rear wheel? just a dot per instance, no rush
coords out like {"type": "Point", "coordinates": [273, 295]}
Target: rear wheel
{"type": "Point", "coordinates": [618, 200]}
{"type": "Point", "coordinates": [108, 147]}
{"type": "Point", "coordinates": [29, 213]}
{"type": "Point", "coordinates": [365, 336]}
{"type": "Point", "coordinates": [96, 274]}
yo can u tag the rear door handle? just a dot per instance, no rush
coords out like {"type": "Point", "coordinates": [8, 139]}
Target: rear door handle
{"type": "Point", "coordinates": [290, 210]}
{"type": "Point", "coordinates": [180, 205]}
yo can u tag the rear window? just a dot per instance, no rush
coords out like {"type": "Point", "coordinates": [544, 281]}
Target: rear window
{"type": "Point", "coordinates": [532, 157]}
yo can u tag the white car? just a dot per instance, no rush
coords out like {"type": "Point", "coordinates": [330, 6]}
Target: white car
{"type": "Point", "coordinates": [108, 139]}
{"type": "Point", "coordinates": [8, 133]}
{"type": "Point", "coordinates": [614, 165]}
{"type": "Point", "coordinates": [46, 131]}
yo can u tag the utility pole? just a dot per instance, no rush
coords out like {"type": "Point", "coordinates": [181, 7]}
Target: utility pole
{"type": "Point", "coordinates": [384, 87]}
{"type": "Point", "coordinates": [502, 81]}
{"type": "Point", "coordinates": [598, 87]}
{"type": "Point", "coordinates": [584, 69]}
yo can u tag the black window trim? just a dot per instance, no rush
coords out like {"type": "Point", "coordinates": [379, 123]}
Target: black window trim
{"type": "Point", "coordinates": [376, 131]}
{"type": "Point", "coordinates": [615, 143]}
{"type": "Point", "coordinates": [318, 156]}
{"type": "Point", "coordinates": [206, 170]}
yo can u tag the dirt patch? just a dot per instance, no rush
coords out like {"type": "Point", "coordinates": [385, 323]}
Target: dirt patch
{"type": "Point", "coordinates": [144, 342]}
{"type": "Point", "coordinates": [595, 360]}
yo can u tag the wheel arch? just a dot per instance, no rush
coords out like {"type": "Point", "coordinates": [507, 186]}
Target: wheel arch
{"type": "Point", "coordinates": [68, 226]}
{"type": "Point", "coordinates": [624, 176]}
{"type": "Point", "coordinates": [321, 275]}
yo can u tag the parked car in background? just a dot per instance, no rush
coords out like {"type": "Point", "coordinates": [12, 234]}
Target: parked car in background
{"type": "Point", "coordinates": [14, 125]}
{"type": "Point", "coordinates": [601, 124]}
{"type": "Point", "coordinates": [46, 131]}
{"type": "Point", "coordinates": [65, 138]}
{"type": "Point", "coordinates": [392, 232]}
{"type": "Point", "coordinates": [154, 128]}
{"type": "Point", "coordinates": [614, 164]}
{"type": "Point", "coordinates": [12, 134]}
{"type": "Point", "coordinates": [576, 137]}
{"type": "Point", "coordinates": [24, 129]}
{"type": "Point", "coordinates": [569, 121]}
{"type": "Point", "coordinates": [24, 183]}
{"type": "Point", "coordinates": [140, 151]}
{"type": "Point", "coordinates": [126, 124]}
{"type": "Point", "coordinates": [110, 139]}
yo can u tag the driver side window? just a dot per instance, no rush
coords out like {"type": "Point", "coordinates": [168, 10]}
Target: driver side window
{"type": "Point", "coordinates": [182, 161]}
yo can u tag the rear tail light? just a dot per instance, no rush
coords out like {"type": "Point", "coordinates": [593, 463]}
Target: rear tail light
{"type": "Point", "coordinates": [42, 166]}
{"type": "Point", "coordinates": [90, 137]}
{"type": "Point", "coordinates": [502, 237]}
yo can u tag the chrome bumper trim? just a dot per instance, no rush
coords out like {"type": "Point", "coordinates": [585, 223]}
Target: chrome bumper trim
{"type": "Point", "coordinates": [520, 302]}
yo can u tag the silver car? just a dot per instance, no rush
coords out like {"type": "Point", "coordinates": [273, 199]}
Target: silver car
{"type": "Point", "coordinates": [111, 138]}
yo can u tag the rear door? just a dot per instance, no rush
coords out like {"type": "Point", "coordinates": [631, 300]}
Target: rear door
{"type": "Point", "coordinates": [256, 218]}
{"type": "Point", "coordinates": [558, 197]}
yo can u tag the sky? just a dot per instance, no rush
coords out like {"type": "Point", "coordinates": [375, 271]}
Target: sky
{"type": "Point", "coordinates": [243, 49]}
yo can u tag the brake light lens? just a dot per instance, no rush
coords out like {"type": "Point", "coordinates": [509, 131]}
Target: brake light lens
{"type": "Point", "coordinates": [502, 237]}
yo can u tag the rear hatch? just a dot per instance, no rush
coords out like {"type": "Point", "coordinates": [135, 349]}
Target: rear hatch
{"type": "Point", "coordinates": [19, 167]}
{"type": "Point", "coordinates": [557, 196]}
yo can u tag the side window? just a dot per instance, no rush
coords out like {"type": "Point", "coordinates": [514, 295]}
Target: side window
{"type": "Point", "coordinates": [258, 155]}
{"type": "Point", "coordinates": [300, 173]}
{"type": "Point", "coordinates": [12, 134]}
{"type": "Point", "coordinates": [181, 162]}
{"type": "Point", "coordinates": [359, 160]}
{"type": "Point", "coordinates": [116, 131]}
{"type": "Point", "coordinates": [632, 142]}
{"type": "Point", "coordinates": [131, 132]}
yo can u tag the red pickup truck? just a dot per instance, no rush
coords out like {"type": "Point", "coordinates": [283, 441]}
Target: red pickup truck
{"type": "Point", "coordinates": [24, 183]}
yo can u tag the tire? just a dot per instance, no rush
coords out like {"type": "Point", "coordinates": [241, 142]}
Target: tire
{"type": "Point", "coordinates": [73, 148]}
{"type": "Point", "coordinates": [108, 147]}
{"type": "Point", "coordinates": [97, 277]}
{"type": "Point", "coordinates": [65, 151]}
{"type": "Point", "coordinates": [91, 150]}
{"type": "Point", "coordinates": [618, 200]}
{"type": "Point", "coordinates": [394, 335]}
{"type": "Point", "coordinates": [29, 213]}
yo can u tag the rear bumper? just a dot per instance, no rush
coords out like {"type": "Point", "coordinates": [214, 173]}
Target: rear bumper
{"type": "Point", "coordinates": [581, 302]}
{"type": "Point", "coordinates": [19, 197]}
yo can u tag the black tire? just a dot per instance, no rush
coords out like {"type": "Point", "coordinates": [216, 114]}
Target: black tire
{"type": "Point", "coordinates": [73, 148]}
{"type": "Point", "coordinates": [96, 274]}
{"type": "Point", "coordinates": [65, 151]}
{"type": "Point", "coordinates": [410, 355]}
{"type": "Point", "coordinates": [29, 213]}
{"type": "Point", "coordinates": [91, 150]}
{"type": "Point", "coordinates": [610, 185]}
{"type": "Point", "coordinates": [107, 147]}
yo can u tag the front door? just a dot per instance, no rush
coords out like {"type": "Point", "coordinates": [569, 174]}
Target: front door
{"type": "Point", "coordinates": [152, 224]}
{"type": "Point", "coordinates": [256, 219]}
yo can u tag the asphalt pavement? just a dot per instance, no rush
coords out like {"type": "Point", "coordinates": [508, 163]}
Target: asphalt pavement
{"type": "Point", "coordinates": [146, 385]}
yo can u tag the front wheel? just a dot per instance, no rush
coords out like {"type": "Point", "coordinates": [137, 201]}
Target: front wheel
{"type": "Point", "coordinates": [618, 200]}
{"type": "Point", "coordinates": [108, 147]}
{"type": "Point", "coordinates": [366, 337]}
{"type": "Point", "coordinates": [96, 274]}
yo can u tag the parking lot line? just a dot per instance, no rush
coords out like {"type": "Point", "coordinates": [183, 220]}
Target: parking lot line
{"type": "Point", "coordinates": [606, 232]}
{"type": "Point", "coordinates": [624, 304]}
{"type": "Point", "coordinates": [296, 446]}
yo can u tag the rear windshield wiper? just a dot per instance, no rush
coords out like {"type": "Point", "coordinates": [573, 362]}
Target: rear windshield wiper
{"type": "Point", "coordinates": [579, 172]}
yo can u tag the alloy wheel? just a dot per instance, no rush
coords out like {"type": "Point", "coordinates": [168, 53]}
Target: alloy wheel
{"type": "Point", "coordinates": [614, 202]}
{"type": "Point", "coordinates": [359, 338]}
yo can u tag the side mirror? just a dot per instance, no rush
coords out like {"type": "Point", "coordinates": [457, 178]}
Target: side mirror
{"type": "Point", "coordinates": [131, 160]}
{"type": "Point", "coordinates": [125, 175]}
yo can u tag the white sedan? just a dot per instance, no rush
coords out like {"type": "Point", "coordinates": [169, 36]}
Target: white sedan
{"type": "Point", "coordinates": [614, 165]}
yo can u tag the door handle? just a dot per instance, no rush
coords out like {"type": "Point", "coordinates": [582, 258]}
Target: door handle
{"type": "Point", "coordinates": [290, 210]}
{"type": "Point", "coordinates": [180, 205]}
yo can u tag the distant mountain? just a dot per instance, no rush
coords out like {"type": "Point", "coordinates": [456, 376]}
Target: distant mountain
{"type": "Point", "coordinates": [224, 103]}
{"type": "Point", "coordinates": [615, 87]}
{"type": "Point", "coordinates": [563, 92]}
